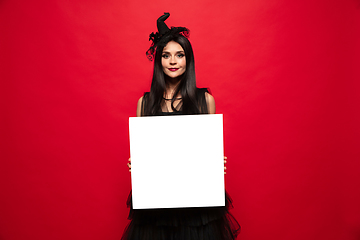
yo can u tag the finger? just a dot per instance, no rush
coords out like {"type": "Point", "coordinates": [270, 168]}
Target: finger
{"type": "Point", "coordinates": [129, 159]}
{"type": "Point", "coordinates": [225, 161]}
{"type": "Point", "coordinates": [224, 173]}
{"type": "Point", "coordinates": [225, 157]}
{"type": "Point", "coordinates": [224, 168]}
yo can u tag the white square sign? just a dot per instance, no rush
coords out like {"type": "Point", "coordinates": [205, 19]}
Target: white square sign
{"type": "Point", "coordinates": [177, 161]}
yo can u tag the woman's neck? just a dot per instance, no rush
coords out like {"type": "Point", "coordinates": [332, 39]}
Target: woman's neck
{"type": "Point", "coordinates": [171, 86]}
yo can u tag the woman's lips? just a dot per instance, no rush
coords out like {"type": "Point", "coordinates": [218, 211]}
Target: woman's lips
{"type": "Point", "coordinates": [173, 69]}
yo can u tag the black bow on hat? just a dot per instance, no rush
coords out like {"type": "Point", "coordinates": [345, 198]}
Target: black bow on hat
{"type": "Point", "coordinates": [164, 35]}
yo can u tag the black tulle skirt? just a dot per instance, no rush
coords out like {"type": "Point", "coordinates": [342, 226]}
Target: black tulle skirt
{"type": "Point", "coordinates": [207, 223]}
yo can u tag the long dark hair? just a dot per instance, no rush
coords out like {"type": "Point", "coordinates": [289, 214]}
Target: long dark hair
{"type": "Point", "coordinates": [187, 87]}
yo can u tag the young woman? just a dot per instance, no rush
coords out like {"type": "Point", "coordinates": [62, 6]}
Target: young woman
{"type": "Point", "coordinates": [173, 91]}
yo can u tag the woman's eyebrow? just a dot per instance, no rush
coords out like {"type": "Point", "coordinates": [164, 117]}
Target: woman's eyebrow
{"type": "Point", "coordinates": [176, 52]}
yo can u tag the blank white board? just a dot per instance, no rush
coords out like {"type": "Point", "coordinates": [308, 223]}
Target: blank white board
{"type": "Point", "coordinates": [177, 161]}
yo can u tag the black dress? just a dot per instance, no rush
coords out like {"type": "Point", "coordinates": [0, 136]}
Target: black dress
{"type": "Point", "coordinates": [201, 223]}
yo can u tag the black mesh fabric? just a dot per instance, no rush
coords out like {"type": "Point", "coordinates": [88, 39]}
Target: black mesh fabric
{"type": "Point", "coordinates": [204, 223]}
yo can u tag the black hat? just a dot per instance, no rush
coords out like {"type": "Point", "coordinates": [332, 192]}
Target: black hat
{"type": "Point", "coordinates": [164, 35]}
{"type": "Point", "coordinates": [161, 25]}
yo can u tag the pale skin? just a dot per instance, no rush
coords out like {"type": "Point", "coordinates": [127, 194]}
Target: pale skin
{"type": "Point", "coordinates": [174, 65]}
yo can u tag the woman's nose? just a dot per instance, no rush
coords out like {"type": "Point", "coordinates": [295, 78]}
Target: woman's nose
{"type": "Point", "coordinates": [172, 60]}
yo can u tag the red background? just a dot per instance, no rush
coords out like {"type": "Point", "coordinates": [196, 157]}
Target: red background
{"type": "Point", "coordinates": [285, 74]}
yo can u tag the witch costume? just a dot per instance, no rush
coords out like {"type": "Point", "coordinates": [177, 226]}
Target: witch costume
{"type": "Point", "coordinates": [200, 223]}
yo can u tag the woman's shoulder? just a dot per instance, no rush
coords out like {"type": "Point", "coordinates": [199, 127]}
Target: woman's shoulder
{"type": "Point", "coordinates": [204, 92]}
{"type": "Point", "coordinates": [140, 100]}
{"type": "Point", "coordinates": [206, 100]}
{"type": "Point", "coordinates": [209, 97]}
{"type": "Point", "coordinates": [210, 102]}
{"type": "Point", "coordinates": [139, 106]}
{"type": "Point", "coordinates": [144, 97]}
{"type": "Point", "coordinates": [141, 103]}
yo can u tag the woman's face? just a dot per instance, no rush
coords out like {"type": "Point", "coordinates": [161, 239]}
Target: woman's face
{"type": "Point", "coordinates": [173, 60]}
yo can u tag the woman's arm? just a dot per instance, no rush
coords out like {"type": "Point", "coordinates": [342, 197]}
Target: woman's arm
{"type": "Point", "coordinates": [138, 114]}
{"type": "Point", "coordinates": [139, 105]}
{"type": "Point", "coordinates": [210, 101]}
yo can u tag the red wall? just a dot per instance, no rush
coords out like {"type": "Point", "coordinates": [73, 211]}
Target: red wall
{"type": "Point", "coordinates": [284, 74]}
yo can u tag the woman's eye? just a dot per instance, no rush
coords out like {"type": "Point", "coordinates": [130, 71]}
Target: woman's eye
{"type": "Point", "coordinates": [180, 55]}
{"type": "Point", "coordinates": [165, 56]}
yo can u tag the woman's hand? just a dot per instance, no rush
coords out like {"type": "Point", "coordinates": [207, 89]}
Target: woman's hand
{"type": "Point", "coordinates": [129, 164]}
{"type": "Point", "coordinates": [225, 158]}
